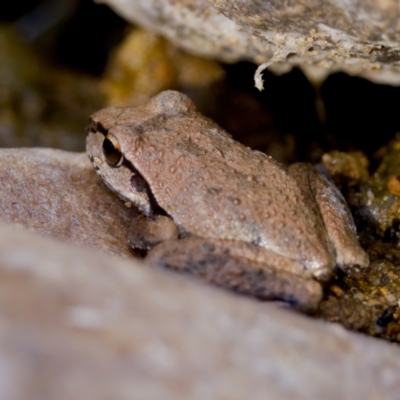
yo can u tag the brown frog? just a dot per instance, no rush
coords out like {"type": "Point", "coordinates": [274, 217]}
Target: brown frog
{"type": "Point", "coordinates": [218, 209]}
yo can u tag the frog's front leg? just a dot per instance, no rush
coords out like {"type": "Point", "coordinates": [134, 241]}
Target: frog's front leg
{"type": "Point", "coordinates": [148, 231]}
{"type": "Point", "coordinates": [335, 214]}
{"type": "Point", "coordinates": [240, 267]}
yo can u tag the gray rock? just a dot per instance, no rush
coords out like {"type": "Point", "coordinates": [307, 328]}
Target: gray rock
{"type": "Point", "coordinates": [320, 36]}
{"type": "Point", "coordinates": [58, 194]}
{"type": "Point", "coordinates": [75, 324]}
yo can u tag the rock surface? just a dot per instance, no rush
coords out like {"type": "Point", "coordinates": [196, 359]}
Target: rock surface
{"type": "Point", "coordinates": [320, 36]}
{"type": "Point", "coordinates": [76, 323]}
{"type": "Point", "coordinates": [58, 194]}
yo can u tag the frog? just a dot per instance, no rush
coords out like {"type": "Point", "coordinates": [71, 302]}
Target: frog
{"type": "Point", "coordinates": [214, 208]}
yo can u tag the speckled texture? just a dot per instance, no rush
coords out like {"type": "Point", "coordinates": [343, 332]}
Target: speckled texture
{"type": "Point", "coordinates": [215, 188]}
{"type": "Point", "coordinates": [57, 193]}
{"type": "Point", "coordinates": [80, 325]}
{"type": "Point", "coordinates": [320, 36]}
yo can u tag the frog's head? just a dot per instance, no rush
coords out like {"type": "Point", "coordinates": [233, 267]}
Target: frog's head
{"type": "Point", "coordinates": [116, 135]}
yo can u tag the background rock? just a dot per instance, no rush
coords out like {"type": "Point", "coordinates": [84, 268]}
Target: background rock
{"type": "Point", "coordinates": [320, 36]}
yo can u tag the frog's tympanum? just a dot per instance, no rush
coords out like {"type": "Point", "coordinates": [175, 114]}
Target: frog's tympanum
{"type": "Point", "coordinates": [217, 209]}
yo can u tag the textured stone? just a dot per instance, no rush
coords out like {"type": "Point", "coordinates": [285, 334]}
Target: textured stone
{"type": "Point", "coordinates": [320, 36]}
{"type": "Point", "coordinates": [58, 194]}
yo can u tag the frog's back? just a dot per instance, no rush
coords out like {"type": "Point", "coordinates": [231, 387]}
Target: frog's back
{"type": "Point", "coordinates": [215, 187]}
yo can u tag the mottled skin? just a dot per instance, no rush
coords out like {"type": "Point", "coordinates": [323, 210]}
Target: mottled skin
{"type": "Point", "coordinates": [290, 222]}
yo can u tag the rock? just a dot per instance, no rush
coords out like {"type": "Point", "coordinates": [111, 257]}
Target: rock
{"type": "Point", "coordinates": [76, 323]}
{"type": "Point", "coordinates": [58, 194]}
{"type": "Point", "coordinates": [129, 79]}
{"type": "Point", "coordinates": [38, 98]}
{"type": "Point", "coordinates": [320, 36]}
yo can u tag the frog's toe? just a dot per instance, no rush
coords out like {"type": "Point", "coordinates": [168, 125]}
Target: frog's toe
{"type": "Point", "coordinates": [352, 259]}
{"type": "Point", "coordinates": [324, 273]}
{"type": "Point", "coordinates": [145, 232]}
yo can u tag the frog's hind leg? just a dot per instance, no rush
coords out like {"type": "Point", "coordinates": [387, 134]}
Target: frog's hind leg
{"type": "Point", "coordinates": [218, 262]}
{"type": "Point", "coordinates": [336, 215]}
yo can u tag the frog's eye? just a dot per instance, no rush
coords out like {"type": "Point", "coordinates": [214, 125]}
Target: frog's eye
{"type": "Point", "coordinates": [112, 151]}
